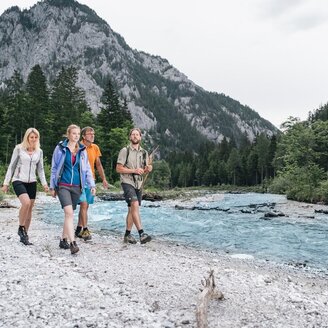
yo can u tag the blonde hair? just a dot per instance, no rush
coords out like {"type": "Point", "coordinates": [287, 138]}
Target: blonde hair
{"type": "Point", "coordinates": [68, 132]}
{"type": "Point", "coordinates": [25, 144]}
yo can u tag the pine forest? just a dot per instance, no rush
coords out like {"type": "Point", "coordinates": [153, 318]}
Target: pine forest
{"type": "Point", "coordinates": [294, 161]}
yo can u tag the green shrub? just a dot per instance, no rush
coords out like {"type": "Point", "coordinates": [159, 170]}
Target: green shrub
{"type": "Point", "coordinates": [279, 185]}
{"type": "Point", "coordinates": [322, 192]}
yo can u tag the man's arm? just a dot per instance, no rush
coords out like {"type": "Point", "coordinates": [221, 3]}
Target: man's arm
{"type": "Point", "coordinates": [101, 172]}
{"type": "Point", "coordinates": [120, 168]}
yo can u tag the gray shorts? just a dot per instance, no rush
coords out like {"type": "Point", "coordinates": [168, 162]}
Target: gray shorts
{"type": "Point", "coordinates": [69, 196]}
{"type": "Point", "coordinates": [131, 194]}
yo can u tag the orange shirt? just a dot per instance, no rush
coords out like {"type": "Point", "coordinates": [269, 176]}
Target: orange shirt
{"type": "Point", "coordinates": [93, 153]}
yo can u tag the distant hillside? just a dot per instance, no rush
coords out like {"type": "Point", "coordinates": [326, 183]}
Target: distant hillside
{"type": "Point", "coordinates": [175, 111]}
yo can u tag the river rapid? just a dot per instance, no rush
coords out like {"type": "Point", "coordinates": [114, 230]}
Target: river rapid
{"type": "Point", "coordinates": [236, 224]}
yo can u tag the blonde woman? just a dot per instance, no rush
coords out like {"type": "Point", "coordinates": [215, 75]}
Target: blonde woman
{"type": "Point", "coordinates": [26, 160]}
{"type": "Point", "coordinates": [70, 173]}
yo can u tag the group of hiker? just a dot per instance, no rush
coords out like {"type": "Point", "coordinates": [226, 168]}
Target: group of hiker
{"type": "Point", "coordinates": [72, 180]}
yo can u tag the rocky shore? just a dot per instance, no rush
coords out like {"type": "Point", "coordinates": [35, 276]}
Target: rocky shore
{"type": "Point", "coordinates": [109, 284]}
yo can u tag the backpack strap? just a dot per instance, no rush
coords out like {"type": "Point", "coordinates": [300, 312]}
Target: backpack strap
{"type": "Point", "coordinates": [127, 155]}
{"type": "Point", "coordinates": [144, 156]}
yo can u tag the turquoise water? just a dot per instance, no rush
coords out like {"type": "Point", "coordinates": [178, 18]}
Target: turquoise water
{"type": "Point", "coordinates": [221, 226]}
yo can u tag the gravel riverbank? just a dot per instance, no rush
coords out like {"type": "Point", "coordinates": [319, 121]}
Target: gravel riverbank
{"type": "Point", "coordinates": [109, 284]}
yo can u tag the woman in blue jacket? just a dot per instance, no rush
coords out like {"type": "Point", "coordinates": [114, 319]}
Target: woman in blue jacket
{"type": "Point", "coordinates": [70, 173]}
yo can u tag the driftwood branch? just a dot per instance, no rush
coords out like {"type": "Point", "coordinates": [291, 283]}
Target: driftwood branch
{"type": "Point", "coordinates": [150, 162]}
{"type": "Point", "coordinates": [4, 204]}
{"type": "Point", "coordinates": [208, 293]}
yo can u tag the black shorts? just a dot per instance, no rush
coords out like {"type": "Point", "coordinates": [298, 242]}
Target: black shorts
{"type": "Point", "coordinates": [25, 188]}
{"type": "Point", "coordinates": [131, 194]}
{"type": "Point", "coordinates": [69, 195]}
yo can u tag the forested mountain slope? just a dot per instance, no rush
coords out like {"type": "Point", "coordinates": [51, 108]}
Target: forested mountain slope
{"type": "Point", "coordinates": [174, 111]}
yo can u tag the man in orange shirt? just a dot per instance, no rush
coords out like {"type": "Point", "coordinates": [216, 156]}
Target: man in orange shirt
{"type": "Point", "coordinates": [94, 154]}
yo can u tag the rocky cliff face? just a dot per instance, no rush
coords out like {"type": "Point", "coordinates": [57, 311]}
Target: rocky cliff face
{"type": "Point", "coordinates": [56, 33]}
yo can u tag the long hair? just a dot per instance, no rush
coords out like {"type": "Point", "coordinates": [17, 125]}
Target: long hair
{"type": "Point", "coordinates": [25, 144]}
{"type": "Point", "coordinates": [68, 132]}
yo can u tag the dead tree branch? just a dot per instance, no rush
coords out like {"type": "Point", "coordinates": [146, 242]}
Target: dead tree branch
{"type": "Point", "coordinates": [208, 293]}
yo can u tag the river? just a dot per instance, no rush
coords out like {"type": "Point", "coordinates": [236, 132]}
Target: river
{"type": "Point", "coordinates": [229, 223]}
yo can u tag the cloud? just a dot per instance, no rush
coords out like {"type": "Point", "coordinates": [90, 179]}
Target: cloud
{"type": "Point", "coordinates": [306, 21]}
{"type": "Point", "coordinates": [294, 15]}
{"type": "Point", "coordinates": [275, 8]}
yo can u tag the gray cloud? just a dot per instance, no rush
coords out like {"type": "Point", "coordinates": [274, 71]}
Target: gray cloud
{"type": "Point", "coordinates": [306, 21]}
{"type": "Point", "coordinates": [275, 8]}
{"type": "Point", "coordinates": [294, 15]}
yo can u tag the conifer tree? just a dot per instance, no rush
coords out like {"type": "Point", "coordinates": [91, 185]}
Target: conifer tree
{"type": "Point", "coordinates": [114, 121]}
{"type": "Point", "coordinates": [37, 98]}
{"type": "Point", "coordinates": [233, 166]}
{"type": "Point", "coordinates": [113, 114]}
{"type": "Point", "coordinates": [117, 139]}
{"type": "Point", "coordinates": [6, 132]}
{"type": "Point", "coordinates": [67, 100]}
{"type": "Point", "coordinates": [262, 148]}
{"type": "Point", "coordinates": [38, 108]}
{"type": "Point", "coordinates": [15, 108]}
{"type": "Point", "coordinates": [252, 167]}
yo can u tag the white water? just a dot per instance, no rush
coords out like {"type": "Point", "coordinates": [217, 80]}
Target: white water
{"type": "Point", "coordinates": [222, 227]}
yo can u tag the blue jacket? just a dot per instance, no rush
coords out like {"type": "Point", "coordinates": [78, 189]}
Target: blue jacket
{"type": "Point", "coordinates": [57, 166]}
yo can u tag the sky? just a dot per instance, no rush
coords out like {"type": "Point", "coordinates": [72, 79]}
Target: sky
{"type": "Point", "coordinates": [271, 55]}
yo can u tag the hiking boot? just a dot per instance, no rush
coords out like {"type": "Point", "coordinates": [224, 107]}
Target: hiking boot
{"type": "Point", "coordinates": [129, 239]}
{"type": "Point", "coordinates": [86, 235]}
{"type": "Point", "coordinates": [144, 238]}
{"type": "Point", "coordinates": [74, 248]}
{"type": "Point", "coordinates": [64, 244]}
{"type": "Point", "coordinates": [23, 236]}
{"type": "Point", "coordinates": [25, 241]}
{"type": "Point", "coordinates": [78, 233]}
{"type": "Point", "coordinates": [21, 231]}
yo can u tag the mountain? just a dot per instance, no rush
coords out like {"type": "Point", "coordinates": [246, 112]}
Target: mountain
{"type": "Point", "coordinates": [163, 101]}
